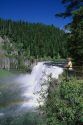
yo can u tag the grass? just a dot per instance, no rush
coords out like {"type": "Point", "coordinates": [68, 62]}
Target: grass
{"type": "Point", "coordinates": [29, 118]}
{"type": "Point", "coordinates": [4, 73]}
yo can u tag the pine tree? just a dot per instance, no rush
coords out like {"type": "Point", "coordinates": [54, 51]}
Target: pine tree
{"type": "Point", "coordinates": [74, 8]}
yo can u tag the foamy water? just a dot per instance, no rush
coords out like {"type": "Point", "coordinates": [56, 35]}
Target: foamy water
{"type": "Point", "coordinates": [24, 92]}
{"type": "Point", "coordinates": [32, 83]}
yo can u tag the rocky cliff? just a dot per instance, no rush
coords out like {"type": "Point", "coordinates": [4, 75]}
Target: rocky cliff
{"type": "Point", "coordinates": [4, 61]}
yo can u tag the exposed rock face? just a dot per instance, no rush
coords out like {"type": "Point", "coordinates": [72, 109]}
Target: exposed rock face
{"type": "Point", "coordinates": [4, 61]}
{"type": "Point", "coordinates": [1, 42]}
{"type": "Point", "coordinates": [9, 62]}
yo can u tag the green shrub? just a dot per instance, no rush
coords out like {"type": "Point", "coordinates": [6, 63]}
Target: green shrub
{"type": "Point", "coordinates": [64, 106]}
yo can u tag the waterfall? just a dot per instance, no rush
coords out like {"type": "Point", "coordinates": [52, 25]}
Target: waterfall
{"type": "Point", "coordinates": [32, 83]}
{"type": "Point", "coordinates": [23, 92]}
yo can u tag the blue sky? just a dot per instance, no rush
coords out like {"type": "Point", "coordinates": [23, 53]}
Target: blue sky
{"type": "Point", "coordinates": [42, 11]}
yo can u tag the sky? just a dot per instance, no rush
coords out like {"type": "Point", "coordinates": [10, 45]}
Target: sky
{"type": "Point", "coordinates": [34, 11]}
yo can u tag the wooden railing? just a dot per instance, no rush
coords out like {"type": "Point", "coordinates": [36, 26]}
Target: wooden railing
{"type": "Point", "coordinates": [77, 72]}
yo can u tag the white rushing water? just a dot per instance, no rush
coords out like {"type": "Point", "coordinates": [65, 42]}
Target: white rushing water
{"type": "Point", "coordinates": [32, 84]}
